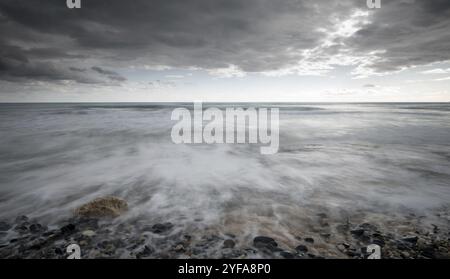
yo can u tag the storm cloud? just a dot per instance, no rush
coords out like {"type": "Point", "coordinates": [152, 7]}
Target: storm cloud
{"type": "Point", "coordinates": [44, 40]}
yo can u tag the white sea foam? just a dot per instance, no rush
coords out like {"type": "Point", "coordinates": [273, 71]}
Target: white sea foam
{"type": "Point", "coordinates": [338, 159]}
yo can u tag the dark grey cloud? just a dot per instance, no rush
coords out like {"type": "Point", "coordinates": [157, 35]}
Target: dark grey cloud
{"type": "Point", "coordinates": [410, 33]}
{"type": "Point", "coordinates": [110, 74]}
{"type": "Point", "coordinates": [43, 39]}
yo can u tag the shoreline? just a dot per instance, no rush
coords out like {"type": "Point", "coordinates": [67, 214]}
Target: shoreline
{"type": "Point", "coordinates": [102, 238]}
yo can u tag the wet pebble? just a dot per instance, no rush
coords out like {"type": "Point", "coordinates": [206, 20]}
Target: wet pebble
{"type": "Point", "coordinates": [301, 248]}
{"type": "Point", "coordinates": [229, 243]}
{"type": "Point", "coordinates": [161, 228]}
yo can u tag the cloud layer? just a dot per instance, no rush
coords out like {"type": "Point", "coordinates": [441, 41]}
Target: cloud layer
{"type": "Point", "coordinates": [44, 40]}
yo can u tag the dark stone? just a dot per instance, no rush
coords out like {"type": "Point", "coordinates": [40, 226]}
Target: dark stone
{"type": "Point", "coordinates": [286, 255]}
{"type": "Point", "coordinates": [325, 235]}
{"type": "Point", "coordinates": [357, 232]}
{"type": "Point", "coordinates": [4, 226]}
{"type": "Point", "coordinates": [379, 242]}
{"type": "Point", "coordinates": [435, 229]}
{"type": "Point", "coordinates": [50, 233]}
{"type": "Point", "coordinates": [229, 243]}
{"type": "Point", "coordinates": [161, 228]}
{"type": "Point", "coordinates": [67, 229]}
{"type": "Point", "coordinates": [410, 239]}
{"type": "Point", "coordinates": [309, 240]}
{"type": "Point", "coordinates": [264, 242]}
{"type": "Point", "coordinates": [231, 253]}
{"type": "Point", "coordinates": [21, 229]}
{"type": "Point", "coordinates": [147, 251]}
{"type": "Point", "coordinates": [301, 248]}
{"type": "Point", "coordinates": [342, 228]}
{"type": "Point", "coordinates": [367, 226]}
{"type": "Point", "coordinates": [35, 228]}
{"type": "Point", "coordinates": [351, 253]}
{"type": "Point", "coordinates": [428, 251]}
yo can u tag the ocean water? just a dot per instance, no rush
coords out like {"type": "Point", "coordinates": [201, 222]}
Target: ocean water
{"type": "Point", "coordinates": [366, 161]}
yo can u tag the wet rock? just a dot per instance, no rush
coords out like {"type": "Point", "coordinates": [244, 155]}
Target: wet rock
{"type": "Point", "coordinates": [441, 255]}
{"type": "Point", "coordinates": [405, 255]}
{"type": "Point", "coordinates": [67, 229]}
{"type": "Point", "coordinates": [107, 247]}
{"type": "Point", "coordinates": [229, 243]}
{"type": "Point", "coordinates": [435, 229]}
{"type": "Point", "coordinates": [341, 248]}
{"type": "Point", "coordinates": [21, 229]}
{"type": "Point", "coordinates": [309, 240]}
{"type": "Point", "coordinates": [287, 255]}
{"type": "Point", "coordinates": [428, 252]}
{"type": "Point", "coordinates": [368, 227]}
{"type": "Point", "coordinates": [88, 233]}
{"type": "Point", "coordinates": [265, 243]}
{"type": "Point", "coordinates": [4, 226]}
{"type": "Point", "coordinates": [410, 239]}
{"type": "Point", "coordinates": [179, 248]}
{"type": "Point", "coordinates": [161, 228]}
{"type": "Point", "coordinates": [325, 235]}
{"type": "Point", "coordinates": [229, 253]}
{"type": "Point", "coordinates": [145, 252]}
{"type": "Point", "coordinates": [342, 228]}
{"type": "Point", "coordinates": [301, 249]}
{"type": "Point", "coordinates": [50, 233]}
{"type": "Point", "coordinates": [212, 238]}
{"type": "Point", "coordinates": [102, 207]}
{"type": "Point", "coordinates": [36, 228]}
{"type": "Point", "coordinates": [357, 232]}
{"type": "Point", "coordinates": [58, 251]}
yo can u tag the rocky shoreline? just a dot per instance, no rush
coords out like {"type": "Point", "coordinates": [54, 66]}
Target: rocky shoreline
{"type": "Point", "coordinates": [103, 238]}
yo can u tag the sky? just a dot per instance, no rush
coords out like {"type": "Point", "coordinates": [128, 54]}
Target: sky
{"type": "Point", "coordinates": [225, 51]}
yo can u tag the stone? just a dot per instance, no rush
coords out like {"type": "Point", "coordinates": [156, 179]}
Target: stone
{"type": "Point", "coordinates": [379, 241]}
{"type": "Point", "coordinates": [405, 254]}
{"type": "Point", "coordinates": [301, 249]}
{"type": "Point", "coordinates": [286, 255]}
{"type": "Point", "coordinates": [264, 240]}
{"type": "Point", "coordinates": [161, 228]}
{"type": "Point", "coordinates": [309, 240]}
{"type": "Point", "coordinates": [341, 248]}
{"type": "Point", "coordinates": [266, 244]}
{"type": "Point", "coordinates": [229, 243]}
{"type": "Point", "coordinates": [410, 239]}
{"type": "Point", "coordinates": [357, 232]}
{"type": "Point", "coordinates": [69, 228]}
{"type": "Point", "coordinates": [21, 229]}
{"type": "Point", "coordinates": [367, 226]}
{"type": "Point", "coordinates": [179, 248]}
{"type": "Point", "coordinates": [36, 228]}
{"type": "Point", "coordinates": [102, 207]}
{"type": "Point", "coordinates": [325, 235]}
{"type": "Point", "coordinates": [88, 233]}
